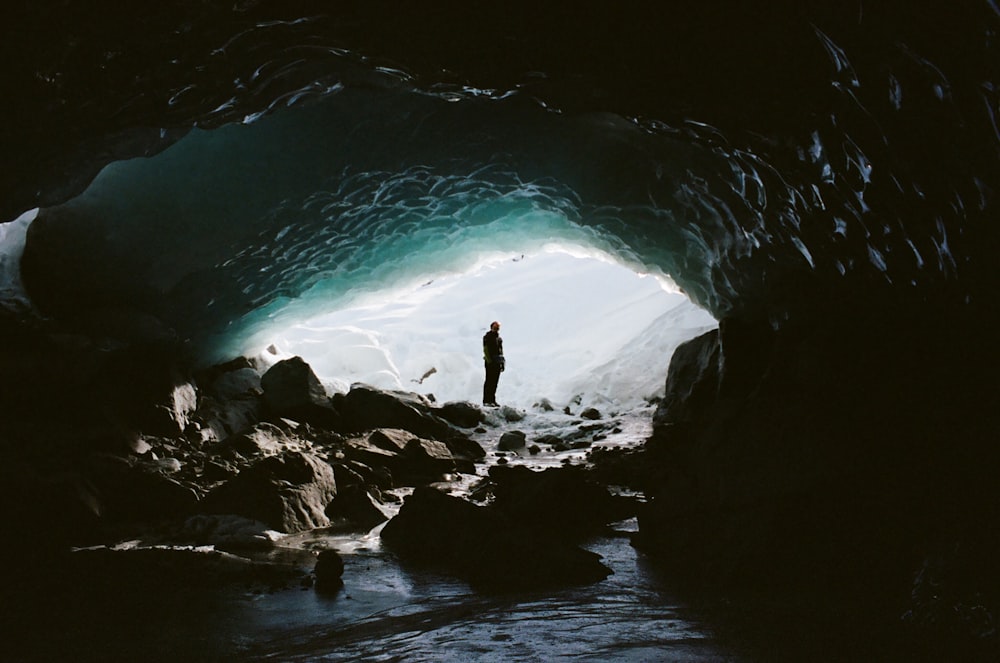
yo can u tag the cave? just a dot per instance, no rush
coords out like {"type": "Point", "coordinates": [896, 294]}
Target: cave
{"type": "Point", "coordinates": [761, 236]}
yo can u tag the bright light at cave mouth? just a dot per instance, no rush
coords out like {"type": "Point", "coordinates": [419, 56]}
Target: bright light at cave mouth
{"type": "Point", "coordinates": [574, 323]}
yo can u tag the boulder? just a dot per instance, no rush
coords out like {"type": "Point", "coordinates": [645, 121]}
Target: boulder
{"type": "Point", "coordinates": [217, 420]}
{"type": "Point", "coordinates": [235, 379]}
{"type": "Point", "coordinates": [461, 413]}
{"type": "Point", "coordinates": [52, 511]}
{"type": "Point", "coordinates": [288, 492]}
{"type": "Point", "coordinates": [484, 547]}
{"type": "Point", "coordinates": [329, 571]}
{"type": "Point", "coordinates": [144, 388]}
{"type": "Point", "coordinates": [136, 491]}
{"type": "Point", "coordinates": [412, 460]}
{"type": "Point", "coordinates": [511, 441]}
{"type": "Point", "coordinates": [225, 532]}
{"type": "Point", "coordinates": [564, 501]}
{"type": "Point", "coordinates": [366, 408]}
{"type": "Point", "coordinates": [230, 400]}
{"type": "Point", "coordinates": [356, 508]}
{"type": "Point", "coordinates": [292, 390]}
{"type": "Point", "coordinates": [264, 439]}
{"type": "Point", "coordinates": [464, 448]}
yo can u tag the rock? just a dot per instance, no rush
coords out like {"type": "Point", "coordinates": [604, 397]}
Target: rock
{"type": "Point", "coordinates": [461, 413]}
{"type": "Point", "coordinates": [55, 511]}
{"type": "Point", "coordinates": [288, 492]}
{"type": "Point", "coordinates": [393, 440]}
{"type": "Point", "coordinates": [378, 477]}
{"type": "Point", "coordinates": [484, 547]}
{"type": "Point", "coordinates": [264, 439]}
{"type": "Point", "coordinates": [230, 399]}
{"type": "Point", "coordinates": [139, 491]}
{"type": "Point", "coordinates": [292, 390]}
{"type": "Point", "coordinates": [151, 570]}
{"type": "Point", "coordinates": [225, 532]}
{"type": "Point", "coordinates": [591, 413]}
{"type": "Point", "coordinates": [563, 501]}
{"type": "Point", "coordinates": [464, 448]}
{"type": "Point", "coordinates": [511, 441]}
{"type": "Point", "coordinates": [144, 387]}
{"type": "Point", "coordinates": [366, 408]}
{"type": "Point", "coordinates": [214, 470]}
{"type": "Point", "coordinates": [217, 420]}
{"type": "Point", "coordinates": [692, 381]}
{"type": "Point", "coordinates": [235, 379]}
{"type": "Point", "coordinates": [329, 571]}
{"type": "Point", "coordinates": [511, 414]}
{"type": "Point", "coordinates": [412, 460]}
{"type": "Point", "coordinates": [356, 506]}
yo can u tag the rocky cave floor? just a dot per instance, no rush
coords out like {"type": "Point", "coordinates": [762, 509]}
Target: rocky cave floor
{"type": "Point", "coordinates": [123, 474]}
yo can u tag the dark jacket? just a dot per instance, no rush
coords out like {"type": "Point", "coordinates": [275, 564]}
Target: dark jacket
{"type": "Point", "coordinates": [493, 348]}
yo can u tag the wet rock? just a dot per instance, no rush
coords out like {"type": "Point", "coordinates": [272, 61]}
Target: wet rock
{"type": "Point", "coordinates": [329, 571]}
{"type": "Point", "coordinates": [288, 492]}
{"type": "Point", "coordinates": [292, 390]}
{"type": "Point", "coordinates": [591, 413]}
{"type": "Point", "coordinates": [511, 441]}
{"type": "Point", "coordinates": [483, 546]}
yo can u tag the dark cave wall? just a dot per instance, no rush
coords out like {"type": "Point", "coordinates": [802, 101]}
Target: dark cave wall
{"type": "Point", "coordinates": [842, 453]}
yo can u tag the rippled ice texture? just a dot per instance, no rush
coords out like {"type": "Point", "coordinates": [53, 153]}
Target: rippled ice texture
{"type": "Point", "coordinates": [573, 324]}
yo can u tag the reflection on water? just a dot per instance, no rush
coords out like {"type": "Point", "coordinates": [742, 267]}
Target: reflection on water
{"type": "Point", "coordinates": [385, 613]}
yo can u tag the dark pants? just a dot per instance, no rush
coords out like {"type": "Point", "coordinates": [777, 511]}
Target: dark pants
{"type": "Point", "coordinates": [490, 385]}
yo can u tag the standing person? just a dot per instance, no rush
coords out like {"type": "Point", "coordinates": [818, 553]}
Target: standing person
{"type": "Point", "coordinates": [493, 356]}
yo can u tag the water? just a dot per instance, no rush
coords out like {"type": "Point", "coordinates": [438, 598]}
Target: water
{"type": "Point", "coordinates": [389, 613]}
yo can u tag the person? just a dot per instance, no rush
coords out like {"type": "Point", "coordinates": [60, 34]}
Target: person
{"type": "Point", "coordinates": [493, 358]}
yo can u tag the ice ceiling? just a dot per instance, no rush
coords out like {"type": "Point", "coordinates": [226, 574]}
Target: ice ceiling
{"type": "Point", "coordinates": [279, 170]}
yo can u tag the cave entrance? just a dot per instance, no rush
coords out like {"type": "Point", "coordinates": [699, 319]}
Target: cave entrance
{"type": "Point", "coordinates": [577, 325]}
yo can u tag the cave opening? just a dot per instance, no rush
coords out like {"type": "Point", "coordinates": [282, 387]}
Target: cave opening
{"type": "Point", "coordinates": [579, 325]}
{"type": "Point", "coordinates": [822, 179]}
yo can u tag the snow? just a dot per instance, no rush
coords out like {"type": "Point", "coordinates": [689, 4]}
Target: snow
{"type": "Point", "coordinates": [575, 325]}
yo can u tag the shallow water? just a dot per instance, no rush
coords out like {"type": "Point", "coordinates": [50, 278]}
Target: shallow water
{"type": "Point", "coordinates": [389, 613]}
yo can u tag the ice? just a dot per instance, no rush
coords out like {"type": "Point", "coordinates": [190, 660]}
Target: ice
{"type": "Point", "coordinates": [12, 239]}
{"type": "Point", "coordinates": [574, 324]}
